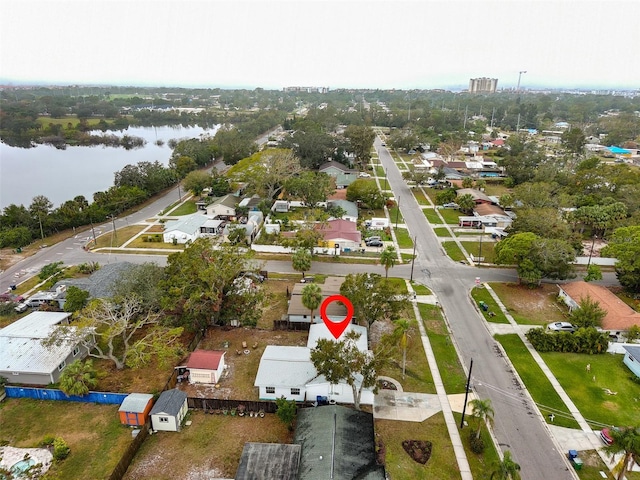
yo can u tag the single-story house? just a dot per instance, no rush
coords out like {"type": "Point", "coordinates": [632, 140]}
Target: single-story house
{"type": "Point", "coordinates": [185, 230]}
{"type": "Point", "coordinates": [336, 439]}
{"type": "Point", "coordinates": [169, 411]}
{"type": "Point", "coordinates": [350, 209]}
{"type": "Point", "coordinates": [297, 312]}
{"type": "Point", "coordinates": [205, 366]}
{"type": "Point", "coordinates": [250, 202]}
{"type": "Point", "coordinates": [251, 226]}
{"type": "Point", "coordinates": [339, 232]}
{"type": "Point", "coordinates": [223, 208]}
{"type": "Point", "coordinates": [619, 317]}
{"type": "Point", "coordinates": [134, 409]}
{"type": "Point", "coordinates": [284, 372]}
{"type": "Point", "coordinates": [632, 358]}
{"type": "Point", "coordinates": [478, 196]}
{"type": "Point", "coordinates": [266, 461]}
{"type": "Point", "coordinates": [212, 228]}
{"type": "Point", "coordinates": [288, 371]}
{"type": "Point", "coordinates": [343, 175]}
{"type": "Point", "coordinates": [23, 357]}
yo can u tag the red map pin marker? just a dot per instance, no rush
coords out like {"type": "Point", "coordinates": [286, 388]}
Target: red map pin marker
{"type": "Point", "coordinates": [336, 328]}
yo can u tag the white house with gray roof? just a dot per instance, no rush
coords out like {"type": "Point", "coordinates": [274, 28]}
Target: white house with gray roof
{"type": "Point", "coordinates": [185, 230]}
{"type": "Point", "coordinates": [288, 372]}
{"type": "Point", "coordinates": [23, 357]}
{"type": "Point", "coordinates": [350, 209]}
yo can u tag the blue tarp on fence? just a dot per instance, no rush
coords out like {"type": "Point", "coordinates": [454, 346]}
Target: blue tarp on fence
{"type": "Point", "coordinates": [51, 394]}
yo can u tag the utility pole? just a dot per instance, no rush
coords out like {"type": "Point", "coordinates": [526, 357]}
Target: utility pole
{"type": "Point", "coordinates": [413, 259]}
{"type": "Point", "coordinates": [466, 394]}
{"type": "Point", "coordinates": [398, 212]}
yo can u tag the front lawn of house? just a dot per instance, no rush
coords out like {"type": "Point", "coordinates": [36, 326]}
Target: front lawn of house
{"type": "Point", "coordinates": [400, 466]}
{"type": "Point", "coordinates": [473, 248]}
{"type": "Point", "coordinates": [119, 237]}
{"type": "Point", "coordinates": [210, 447]}
{"type": "Point", "coordinates": [93, 433]}
{"type": "Point", "coordinates": [187, 208]}
{"type": "Point", "coordinates": [432, 216]}
{"type": "Point", "coordinates": [591, 396]}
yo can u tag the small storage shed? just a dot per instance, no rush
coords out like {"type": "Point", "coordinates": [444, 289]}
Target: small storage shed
{"type": "Point", "coordinates": [205, 366]}
{"type": "Point", "coordinates": [135, 409]}
{"type": "Point", "coordinates": [169, 411]}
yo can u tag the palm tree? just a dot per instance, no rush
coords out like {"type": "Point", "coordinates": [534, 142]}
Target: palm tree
{"type": "Point", "coordinates": [626, 441]}
{"type": "Point", "coordinates": [482, 410]}
{"type": "Point", "coordinates": [402, 331]}
{"type": "Point", "coordinates": [78, 378]}
{"type": "Point", "coordinates": [507, 469]}
{"type": "Point", "coordinates": [311, 297]}
{"type": "Point", "coordinates": [388, 259]}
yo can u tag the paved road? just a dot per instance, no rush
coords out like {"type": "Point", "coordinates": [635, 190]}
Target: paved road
{"type": "Point", "coordinates": [517, 425]}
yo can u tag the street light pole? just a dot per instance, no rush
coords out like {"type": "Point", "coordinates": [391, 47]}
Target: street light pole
{"type": "Point", "coordinates": [519, 78]}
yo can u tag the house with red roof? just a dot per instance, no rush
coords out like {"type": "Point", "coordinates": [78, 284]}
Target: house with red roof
{"type": "Point", "coordinates": [619, 317]}
{"type": "Point", "coordinates": [205, 366]}
{"type": "Point", "coordinates": [341, 233]}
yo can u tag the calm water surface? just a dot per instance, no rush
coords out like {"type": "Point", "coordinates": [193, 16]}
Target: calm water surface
{"type": "Point", "coordinates": [61, 175]}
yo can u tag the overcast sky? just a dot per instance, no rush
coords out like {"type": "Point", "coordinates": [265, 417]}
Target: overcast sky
{"type": "Point", "coordinates": [346, 43]}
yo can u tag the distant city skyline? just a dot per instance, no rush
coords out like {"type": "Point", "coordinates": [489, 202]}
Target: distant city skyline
{"type": "Point", "coordinates": [419, 44]}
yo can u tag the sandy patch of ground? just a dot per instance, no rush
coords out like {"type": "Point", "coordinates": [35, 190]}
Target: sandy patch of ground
{"type": "Point", "coordinates": [9, 456]}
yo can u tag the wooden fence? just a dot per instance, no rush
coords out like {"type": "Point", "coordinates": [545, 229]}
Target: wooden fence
{"type": "Point", "coordinates": [287, 325]}
{"type": "Point", "coordinates": [122, 466]}
{"type": "Point", "coordinates": [218, 405]}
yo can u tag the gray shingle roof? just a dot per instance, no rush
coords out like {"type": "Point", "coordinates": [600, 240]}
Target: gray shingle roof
{"type": "Point", "coordinates": [170, 402]}
{"type": "Point", "coordinates": [266, 461]}
{"type": "Point", "coordinates": [336, 437]}
{"type": "Point", "coordinates": [100, 283]}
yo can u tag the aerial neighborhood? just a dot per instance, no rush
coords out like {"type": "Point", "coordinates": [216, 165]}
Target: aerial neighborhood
{"type": "Point", "coordinates": [348, 284]}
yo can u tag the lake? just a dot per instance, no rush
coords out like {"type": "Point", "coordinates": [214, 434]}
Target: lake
{"type": "Point", "coordinates": [61, 175]}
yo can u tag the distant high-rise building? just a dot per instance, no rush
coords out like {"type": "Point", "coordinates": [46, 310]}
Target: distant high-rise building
{"type": "Point", "coordinates": [483, 85]}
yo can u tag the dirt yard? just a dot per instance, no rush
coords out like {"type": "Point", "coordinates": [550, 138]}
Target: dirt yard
{"type": "Point", "coordinates": [210, 447]}
{"type": "Point", "coordinates": [239, 377]}
{"type": "Point", "coordinates": [531, 306]}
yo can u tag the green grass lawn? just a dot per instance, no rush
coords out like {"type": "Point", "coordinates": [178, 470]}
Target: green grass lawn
{"type": "Point", "coordinates": [417, 374]}
{"type": "Point", "coordinates": [420, 197]}
{"type": "Point", "coordinates": [536, 383]}
{"type": "Point", "coordinates": [380, 171]}
{"type": "Point", "coordinates": [395, 215]}
{"type": "Point", "coordinates": [482, 294]}
{"type": "Point", "coordinates": [432, 216]}
{"type": "Point", "coordinates": [453, 376]}
{"type": "Point", "coordinates": [442, 232]}
{"type": "Point", "coordinates": [474, 249]}
{"type": "Point", "coordinates": [450, 215]}
{"type": "Point", "coordinates": [93, 432]}
{"type": "Point", "coordinates": [404, 240]}
{"type": "Point", "coordinates": [119, 237]}
{"type": "Point", "coordinates": [407, 257]}
{"type": "Point", "coordinates": [482, 466]}
{"type": "Point", "coordinates": [589, 396]}
{"type": "Point", "coordinates": [453, 251]}
{"type": "Point", "coordinates": [420, 289]}
{"type": "Point", "coordinates": [187, 208]}
{"type": "Point", "coordinates": [400, 466]}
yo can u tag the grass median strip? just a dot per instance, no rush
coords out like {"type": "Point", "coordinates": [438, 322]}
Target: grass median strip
{"type": "Point", "coordinates": [536, 382]}
{"type": "Point", "coordinates": [494, 314]}
{"type": "Point", "coordinates": [453, 251]}
{"type": "Point", "coordinates": [404, 240]}
{"type": "Point", "coordinates": [432, 216]}
{"type": "Point", "coordinates": [453, 376]}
